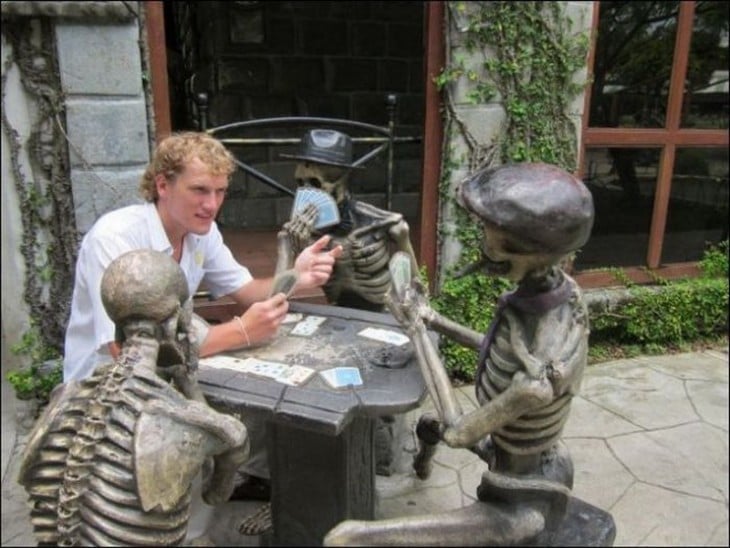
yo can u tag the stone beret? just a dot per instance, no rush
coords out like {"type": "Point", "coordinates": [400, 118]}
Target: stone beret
{"type": "Point", "coordinates": [539, 204]}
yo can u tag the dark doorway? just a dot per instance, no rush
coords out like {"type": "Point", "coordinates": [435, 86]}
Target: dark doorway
{"type": "Point", "coordinates": [272, 59]}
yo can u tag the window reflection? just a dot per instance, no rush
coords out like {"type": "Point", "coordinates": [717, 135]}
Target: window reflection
{"type": "Point", "coordinates": [698, 204]}
{"type": "Point", "coordinates": [622, 181]}
{"type": "Point", "coordinates": [706, 91]}
{"type": "Point", "coordinates": [633, 62]}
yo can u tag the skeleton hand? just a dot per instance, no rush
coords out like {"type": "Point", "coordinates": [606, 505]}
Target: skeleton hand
{"type": "Point", "coordinates": [301, 227]}
{"type": "Point", "coordinates": [412, 307]}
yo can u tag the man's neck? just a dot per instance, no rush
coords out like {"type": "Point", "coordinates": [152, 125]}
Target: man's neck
{"type": "Point", "coordinates": [175, 234]}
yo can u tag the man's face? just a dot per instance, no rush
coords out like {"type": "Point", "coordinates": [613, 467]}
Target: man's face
{"type": "Point", "coordinates": [190, 201]}
{"type": "Point", "coordinates": [331, 179]}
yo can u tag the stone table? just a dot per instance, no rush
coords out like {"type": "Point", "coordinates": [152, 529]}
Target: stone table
{"type": "Point", "coordinates": [320, 439]}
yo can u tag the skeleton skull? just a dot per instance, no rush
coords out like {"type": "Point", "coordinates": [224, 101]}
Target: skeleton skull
{"type": "Point", "coordinates": [331, 179]}
{"type": "Point", "coordinates": [532, 216]}
{"type": "Point", "coordinates": [145, 292]}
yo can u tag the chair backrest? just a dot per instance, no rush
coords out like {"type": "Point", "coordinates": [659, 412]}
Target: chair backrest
{"type": "Point", "coordinates": [378, 140]}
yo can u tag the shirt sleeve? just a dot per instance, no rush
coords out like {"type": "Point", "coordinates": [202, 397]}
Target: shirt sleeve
{"type": "Point", "coordinates": [223, 274]}
{"type": "Point", "coordinates": [98, 254]}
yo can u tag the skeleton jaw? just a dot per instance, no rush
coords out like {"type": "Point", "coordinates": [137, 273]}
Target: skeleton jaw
{"type": "Point", "coordinates": [511, 256]}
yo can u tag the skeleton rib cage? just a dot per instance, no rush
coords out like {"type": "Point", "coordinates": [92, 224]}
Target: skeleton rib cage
{"type": "Point", "coordinates": [538, 429]}
{"type": "Point", "coordinates": [81, 482]}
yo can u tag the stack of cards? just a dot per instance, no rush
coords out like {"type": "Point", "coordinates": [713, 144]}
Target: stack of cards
{"type": "Point", "coordinates": [327, 212]}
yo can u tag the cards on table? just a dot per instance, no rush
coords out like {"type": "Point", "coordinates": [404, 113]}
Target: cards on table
{"type": "Point", "coordinates": [384, 335]}
{"type": "Point", "coordinates": [327, 212]}
{"type": "Point", "coordinates": [308, 326]}
{"type": "Point", "coordinates": [293, 375]}
{"type": "Point", "coordinates": [339, 377]}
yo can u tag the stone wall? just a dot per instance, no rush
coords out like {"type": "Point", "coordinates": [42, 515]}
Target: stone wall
{"type": "Point", "coordinates": [106, 114]}
{"type": "Point", "coordinates": [325, 59]}
{"type": "Point", "coordinates": [485, 120]}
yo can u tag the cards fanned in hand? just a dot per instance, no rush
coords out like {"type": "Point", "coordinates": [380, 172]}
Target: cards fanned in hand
{"type": "Point", "coordinates": [284, 282]}
{"type": "Point", "coordinates": [327, 212]}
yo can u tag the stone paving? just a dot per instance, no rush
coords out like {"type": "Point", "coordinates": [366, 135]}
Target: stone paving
{"type": "Point", "coordinates": [648, 437]}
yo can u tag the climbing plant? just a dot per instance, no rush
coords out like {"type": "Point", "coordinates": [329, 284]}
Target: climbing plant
{"type": "Point", "coordinates": [524, 56]}
{"type": "Point", "coordinates": [49, 236]}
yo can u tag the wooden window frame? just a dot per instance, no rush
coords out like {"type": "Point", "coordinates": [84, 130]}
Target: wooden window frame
{"type": "Point", "coordinates": [668, 138]}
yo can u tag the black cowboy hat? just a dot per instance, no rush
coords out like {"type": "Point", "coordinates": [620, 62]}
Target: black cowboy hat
{"type": "Point", "coordinates": [325, 146]}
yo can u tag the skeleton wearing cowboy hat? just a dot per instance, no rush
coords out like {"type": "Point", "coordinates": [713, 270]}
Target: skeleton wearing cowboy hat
{"type": "Point", "coordinates": [367, 234]}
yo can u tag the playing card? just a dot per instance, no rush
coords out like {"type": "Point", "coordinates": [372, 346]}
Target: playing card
{"type": "Point", "coordinates": [327, 212]}
{"type": "Point", "coordinates": [307, 326]}
{"type": "Point", "coordinates": [400, 272]}
{"type": "Point", "coordinates": [265, 368]}
{"type": "Point", "coordinates": [384, 335]}
{"type": "Point", "coordinates": [339, 377]}
{"type": "Point", "coordinates": [284, 282]}
{"type": "Point", "coordinates": [224, 362]}
{"type": "Point", "coordinates": [295, 375]}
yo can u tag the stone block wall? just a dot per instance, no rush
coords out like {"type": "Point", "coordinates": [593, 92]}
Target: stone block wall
{"type": "Point", "coordinates": [324, 59]}
{"type": "Point", "coordinates": [106, 117]}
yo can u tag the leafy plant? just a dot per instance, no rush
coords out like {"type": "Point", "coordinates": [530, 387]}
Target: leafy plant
{"type": "Point", "coordinates": [714, 263]}
{"type": "Point", "coordinates": [36, 383]}
{"type": "Point", "coordinates": [44, 372]}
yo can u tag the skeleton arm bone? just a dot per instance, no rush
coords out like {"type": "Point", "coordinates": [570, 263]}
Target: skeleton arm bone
{"type": "Point", "coordinates": [523, 395]}
{"type": "Point", "coordinates": [400, 233]}
{"type": "Point", "coordinates": [453, 330]}
{"type": "Point", "coordinates": [434, 373]}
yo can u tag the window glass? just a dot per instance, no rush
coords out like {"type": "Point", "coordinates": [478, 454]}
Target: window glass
{"type": "Point", "coordinates": [698, 204]}
{"type": "Point", "coordinates": [633, 61]}
{"type": "Point", "coordinates": [622, 181]}
{"type": "Point", "coordinates": [705, 103]}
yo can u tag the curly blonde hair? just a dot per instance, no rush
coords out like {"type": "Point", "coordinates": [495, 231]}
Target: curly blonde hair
{"type": "Point", "coordinates": [174, 152]}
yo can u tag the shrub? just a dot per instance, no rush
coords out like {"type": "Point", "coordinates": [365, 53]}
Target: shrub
{"type": "Point", "coordinates": [470, 301]}
{"type": "Point", "coordinates": [672, 313]}
{"type": "Point", "coordinates": [44, 372]}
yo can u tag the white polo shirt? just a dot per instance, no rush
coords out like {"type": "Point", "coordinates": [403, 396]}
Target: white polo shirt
{"type": "Point", "coordinates": [90, 329]}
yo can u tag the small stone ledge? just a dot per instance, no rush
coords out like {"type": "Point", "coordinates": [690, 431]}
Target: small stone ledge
{"type": "Point", "coordinates": [96, 11]}
{"type": "Point", "coordinates": [602, 300]}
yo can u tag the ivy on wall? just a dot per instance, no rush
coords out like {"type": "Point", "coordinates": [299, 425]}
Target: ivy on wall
{"type": "Point", "coordinates": [525, 57]}
{"type": "Point", "coordinates": [49, 238]}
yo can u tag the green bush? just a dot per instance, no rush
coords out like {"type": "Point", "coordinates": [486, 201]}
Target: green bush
{"type": "Point", "coordinates": [653, 317]}
{"type": "Point", "coordinates": [714, 263]}
{"type": "Point", "coordinates": [681, 311]}
{"type": "Point", "coordinates": [36, 382]}
{"type": "Point", "coordinates": [470, 301]}
{"type": "Point", "coordinates": [45, 370]}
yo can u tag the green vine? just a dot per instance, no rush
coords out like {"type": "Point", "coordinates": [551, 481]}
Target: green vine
{"type": "Point", "coordinates": [49, 238]}
{"type": "Point", "coordinates": [524, 56]}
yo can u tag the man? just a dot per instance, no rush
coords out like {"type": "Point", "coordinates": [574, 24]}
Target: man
{"type": "Point", "coordinates": [184, 187]}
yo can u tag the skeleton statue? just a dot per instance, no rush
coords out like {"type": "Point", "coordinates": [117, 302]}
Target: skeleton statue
{"type": "Point", "coordinates": [530, 366]}
{"type": "Point", "coordinates": [367, 234]}
{"type": "Point", "coordinates": [112, 458]}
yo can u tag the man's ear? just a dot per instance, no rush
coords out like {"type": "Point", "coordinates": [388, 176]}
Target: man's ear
{"type": "Point", "coordinates": [161, 183]}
